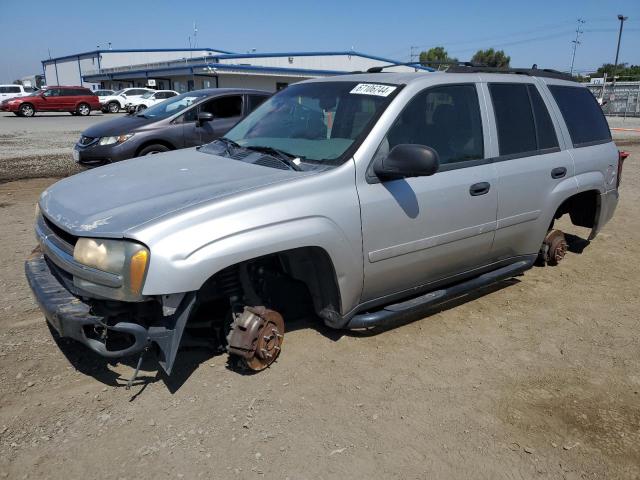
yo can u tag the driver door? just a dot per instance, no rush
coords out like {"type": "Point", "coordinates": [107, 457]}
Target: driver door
{"type": "Point", "coordinates": [51, 100]}
{"type": "Point", "coordinates": [424, 229]}
{"type": "Point", "coordinates": [226, 111]}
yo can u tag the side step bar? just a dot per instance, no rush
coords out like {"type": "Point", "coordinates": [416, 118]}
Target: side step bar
{"type": "Point", "coordinates": [398, 312]}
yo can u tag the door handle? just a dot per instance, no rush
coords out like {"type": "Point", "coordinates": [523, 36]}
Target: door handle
{"type": "Point", "coordinates": [479, 188]}
{"type": "Point", "coordinates": [558, 172]}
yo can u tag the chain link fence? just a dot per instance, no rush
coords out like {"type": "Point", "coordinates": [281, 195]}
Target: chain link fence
{"type": "Point", "coordinates": [623, 100]}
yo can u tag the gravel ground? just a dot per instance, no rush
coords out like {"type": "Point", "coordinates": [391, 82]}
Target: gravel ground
{"type": "Point", "coordinates": [41, 146]}
{"type": "Point", "coordinates": [537, 377]}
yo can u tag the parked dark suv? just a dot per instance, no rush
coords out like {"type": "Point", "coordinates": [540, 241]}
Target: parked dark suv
{"type": "Point", "coordinates": [75, 100]}
{"type": "Point", "coordinates": [186, 120]}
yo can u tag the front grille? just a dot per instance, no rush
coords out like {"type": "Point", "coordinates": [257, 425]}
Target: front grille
{"type": "Point", "coordinates": [84, 141]}
{"type": "Point", "coordinates": [60, 233]}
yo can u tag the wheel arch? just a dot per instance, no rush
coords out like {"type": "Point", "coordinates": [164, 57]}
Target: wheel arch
{"type": "Point", "coordinates": [319, 240]}
{"type": "Point", "coordinates": [157, 141]}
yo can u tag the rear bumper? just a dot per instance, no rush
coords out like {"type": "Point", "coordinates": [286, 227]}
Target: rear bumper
{"type": "Point", "coordinates": [71, 317]}
{"type": "Point", "coordinates": [608, 204]}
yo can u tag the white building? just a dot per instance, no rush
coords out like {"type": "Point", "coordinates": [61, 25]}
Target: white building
{"type": "Point", "coordinates": [191, 69]}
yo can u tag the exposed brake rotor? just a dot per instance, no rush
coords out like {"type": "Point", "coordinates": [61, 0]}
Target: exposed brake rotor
{"type": "Point", "coordinates": [556, 247]}
{"type": "Point", "coordinates": [256, 337]}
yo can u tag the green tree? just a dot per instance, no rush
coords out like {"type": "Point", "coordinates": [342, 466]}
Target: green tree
{"type": "Point", "coordinates": [491, 58]}
{"type": "Point", "coordinates": [623, 72]}
{"type": "Point", "coordinates": [434, 55]}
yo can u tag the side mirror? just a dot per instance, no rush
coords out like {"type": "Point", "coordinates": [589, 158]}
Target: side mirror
{"type": "Point", "coordinates": [407, 160]}
{"type": "Point", "coordinates": [204, 117]}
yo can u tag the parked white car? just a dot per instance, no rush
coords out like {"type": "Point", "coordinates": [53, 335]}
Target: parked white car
{"type": "Point", "coordinates": [103, 94]}
{"type": "Point", "coordinates": [149, 99]}
{"type": "Point", "coordinates": [113, 103]}
{"type": "Point", "coordinates": [13, 91]}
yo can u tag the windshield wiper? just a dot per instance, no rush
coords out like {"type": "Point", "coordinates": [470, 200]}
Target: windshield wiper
{"type": "Point", "coordinates": [228, 142]}
{"type": "Point", "coordinates": [285, 157]}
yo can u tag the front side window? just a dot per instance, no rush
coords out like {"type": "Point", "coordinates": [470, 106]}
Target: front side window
{"type": "Point", "coordinates": [53, 92]}
{"type": "Point", "coordinates": [446, 119]}
{"type": "Point", "coordinates": [317, 121]}
{"type": "Point", "coordinates": [582, 114]}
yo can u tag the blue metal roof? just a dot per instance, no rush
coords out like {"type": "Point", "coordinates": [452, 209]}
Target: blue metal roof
{"type": "Point", "coordinates": [98, 52]}
{"type": "Point", "coordinates": [214, 66]}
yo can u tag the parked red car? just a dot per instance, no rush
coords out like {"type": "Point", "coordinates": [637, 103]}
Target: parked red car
{"type": "Point", "coordinates": [75, 100]}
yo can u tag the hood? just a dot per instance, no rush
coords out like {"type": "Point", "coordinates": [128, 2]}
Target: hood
{"type": "Point", "coordinates": [108, 201]}
{"type": "Point", "coordinates": [117, 126]}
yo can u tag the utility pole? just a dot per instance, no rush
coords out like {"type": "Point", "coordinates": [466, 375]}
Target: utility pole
{"type": "Point", "coordinates": [615, 65]}
{"type": "Point", "coordinates": [414, 55]}
{"type": "Point", "coordinates": [576, 42]}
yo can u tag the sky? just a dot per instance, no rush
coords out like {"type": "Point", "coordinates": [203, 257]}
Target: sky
{"type": "Point", "coordinates": [538, 32]}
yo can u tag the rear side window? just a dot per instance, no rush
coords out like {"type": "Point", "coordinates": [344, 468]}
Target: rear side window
{"type": "Point", "coordinates": [225, 107]}
{"type": "Point", "coordinates": [544, 126]}
{"type": "Point", "coordinates": [522, 119]}
{"type": "Point", "coordinates": [255, 101]}
{"type": "Point", "coordinates": [514, 118]}
{"type": "Point", "coordinates": [9, 89]}
{"type": "Point", "coordinates": [582, 114]}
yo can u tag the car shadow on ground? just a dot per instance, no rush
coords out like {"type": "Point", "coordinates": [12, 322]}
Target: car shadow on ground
{"type": "Point", "coordinates": [195, 351]}
{"type": "Point", "coordinates": [576, 244]}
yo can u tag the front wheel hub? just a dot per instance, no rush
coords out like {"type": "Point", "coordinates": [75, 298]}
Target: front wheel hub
{"type": "Point", "coordinates": [256, 337]}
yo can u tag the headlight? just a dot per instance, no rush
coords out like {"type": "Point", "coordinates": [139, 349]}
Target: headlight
{"type": "Point", "coordinates": [120, 257]}
{"type": "Point", "coordinates": [117, 139]}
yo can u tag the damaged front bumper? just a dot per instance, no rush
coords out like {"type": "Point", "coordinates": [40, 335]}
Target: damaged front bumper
{"type": "Point", "coordinates": [72, 317]}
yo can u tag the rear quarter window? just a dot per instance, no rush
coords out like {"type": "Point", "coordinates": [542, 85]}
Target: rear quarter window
{"type": "Point", "coordinates": [582, 114]}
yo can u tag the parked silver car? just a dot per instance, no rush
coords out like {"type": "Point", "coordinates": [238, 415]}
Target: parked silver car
{"type": "Point", "coordinates": [362, 199]}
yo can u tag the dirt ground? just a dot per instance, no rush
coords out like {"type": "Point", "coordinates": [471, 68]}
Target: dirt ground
{"type": "Point", "coordinates": [538, 377]}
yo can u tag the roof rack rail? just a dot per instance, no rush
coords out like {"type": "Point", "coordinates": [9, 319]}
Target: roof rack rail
{"type": "Point", "coordinates": [533, 72]}
{"type": "Point", "coordinates": [424, 66]}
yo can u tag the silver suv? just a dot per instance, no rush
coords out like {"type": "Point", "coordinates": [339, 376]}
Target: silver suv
{"type": "Point", "coordinates": [360, 199]}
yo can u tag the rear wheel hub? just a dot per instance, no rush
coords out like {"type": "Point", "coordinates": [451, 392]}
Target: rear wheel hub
{"type": "Point", "coordinates": [556, 247]}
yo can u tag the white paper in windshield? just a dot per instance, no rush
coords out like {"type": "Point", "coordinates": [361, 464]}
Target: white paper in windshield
{"type": "Point", "coordinates": [373, 89]}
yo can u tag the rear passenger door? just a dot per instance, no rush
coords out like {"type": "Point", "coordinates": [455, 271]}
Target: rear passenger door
{"type": "Point", "coordinates": [532, 170]}
{"type": "Point", "coordinates": [70, 97]}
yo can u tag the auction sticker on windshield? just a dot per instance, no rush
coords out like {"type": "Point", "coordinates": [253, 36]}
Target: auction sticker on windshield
{"type": "Point", "coordinates": [373, 89]}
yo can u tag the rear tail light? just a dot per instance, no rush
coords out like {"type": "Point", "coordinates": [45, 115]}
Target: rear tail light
{"type": "Point", "coordinates": [622, 156]}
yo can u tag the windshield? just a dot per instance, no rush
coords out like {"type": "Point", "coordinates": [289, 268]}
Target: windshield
{"type": "Point", "coordinates": [35, 93]}
{"type": "Point", "coordinates": [148, 95]}
{"type": "Point", "coordinates": [172, 106]}
{"type": "Point", "coordinates": [316, 121]}
{"type": "Point", "coordinates": [120, 92]}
